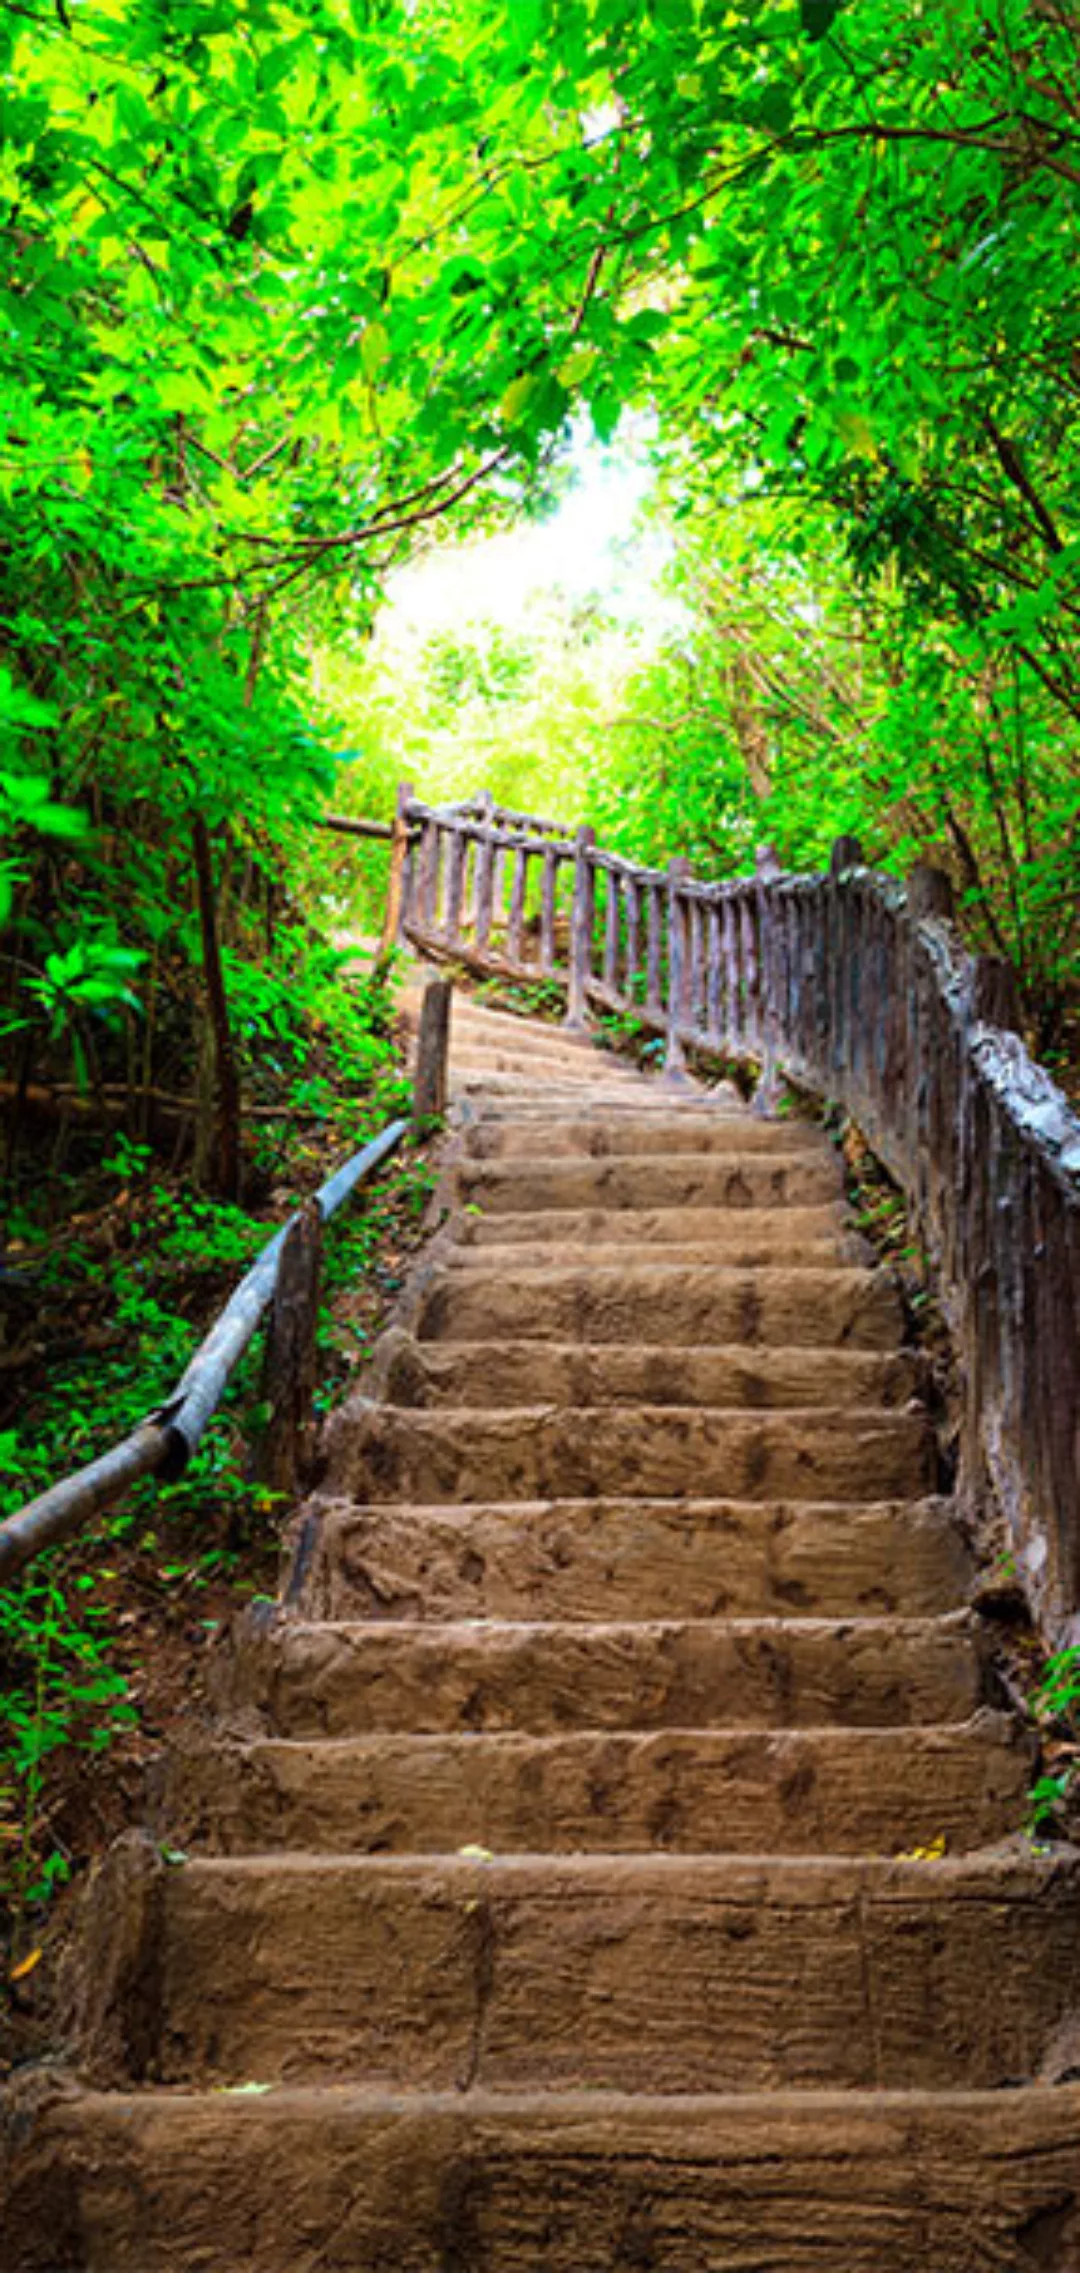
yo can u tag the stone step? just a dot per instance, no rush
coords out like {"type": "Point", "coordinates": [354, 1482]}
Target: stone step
{"type": "Point", "coordinates": [549, 1090]}
{"type": "Point", "coordinates": [744, 1254]}
{"type": "Point", "coordinates": [651, 1974]}
{"type": "Point", "coordinates": [407, 1372]}
{"type": "Point", "coordinates": [339, 2179]}
{"type": "Point", "coordinates": [383, 1452]}
{"type": "Point", "coordinates": [680, 1791]}
{"type": "Point", "coordinates": [709, 1180]}
{"type": "Point", "coordinates": [707, 1128]}
{"type": "Point", "coordinates": [769, 1234]}
{"type": "Point", "coordinates": [775, 1305]}
{"type": "Point", "coordinates": [591, 1561]}
{"type": "Point", "coordinates": [482, 1058]}
{"type": "Point", "coordinates": [338, 1679]}
{"type": "Point", "coordinates": [471, 1017]}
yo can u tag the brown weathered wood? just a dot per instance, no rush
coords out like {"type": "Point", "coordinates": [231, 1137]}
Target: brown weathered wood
{"type": "Point", "coordinates": [695, 975]}
{"type": "Point", "coordinates": [515, 930]}
{"type": "Point", "coordinates": [581, 930]}
{"type": "Point", "coordinates": [713, 973]}
{"type": "Point", "coordinates": [995, 994]}
{"type": "Point", "coordinates": [289, 1366]}
{"type": "Point", "coordinates": [734, 1022]}
{"type": "Point", "coordinates": [611, 934]}
{"type": "Point", "coordinates": [654, 905]}
{"type": "Point", "coordinates": [432, 1051]}
{"type": "Point", "coordinates": [678, 970]}
{"type": "Point", "coordinates": [346, 825]}
{"type": "Point", "coordinates": [749, 959]}
{"type": "Point", "coordinates": [930, 892]}
{"type": "Point", "coordinates": [425, 895]}
{"type": "Point", "coordinates": [847, 852]}
{"type": "Point", "coordinates": [632, 894]}
{"type": "Point", "coordinates": [770, 981]}
{"type": "Point", "coordinates": [484, 888]}
{"type": "Point", "coordinates": [457, 854]}
{"type": "Point", "coordinates": [475, 863]}
{"type": "Point", "coordinates": [395, 883]}
{"type": "Point", "coordinates": [548, 891]}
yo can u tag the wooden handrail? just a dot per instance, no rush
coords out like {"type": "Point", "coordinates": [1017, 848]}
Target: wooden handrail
{"type": "Point", "coordinates": [163, 1443]}
{"type": "Point", "coordinates": [860, 988]}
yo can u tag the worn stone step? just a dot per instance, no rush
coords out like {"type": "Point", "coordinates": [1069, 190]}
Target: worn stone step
{"type": "Point", "coordinates": [407, 1372]}
{"type": "Point", "coordinates": [552, 1091]}
{"type": "Point", "coordinates": [682, 1791]}
{"type": "Point", "coordinates": [694, 1128]}
{"type": "Point", "coordinates": [566, 1066]}
{"type": "Point", "coordinates": [335, 2180]}
{"type": "Point", "coordinates": [468, 1017]}
{"type": "Point", "coordinates": [775, 1305]}
{"type": "Point", "coordinates": [650, 1974]}
{"type": "Point", "coordinates": [770, 1235]}
{"type": "Point", "coordinates": [643, 1180]}
{"type": "Point", "coordinates": [594, 1560]}
{"type": "Point", "coordinates": [743, 1254]}
{"type": "Point", "coordinates": [383, 1452]}
{"type": "Point", "coordinates": [340, 1679]}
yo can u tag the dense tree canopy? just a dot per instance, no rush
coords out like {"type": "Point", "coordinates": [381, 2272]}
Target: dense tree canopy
{"type": "Point", "coordinates": [285, 288]}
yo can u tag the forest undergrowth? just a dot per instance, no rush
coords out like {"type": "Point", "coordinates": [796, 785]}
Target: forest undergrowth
{"type": "Point", "coordinates": [115, 1266]}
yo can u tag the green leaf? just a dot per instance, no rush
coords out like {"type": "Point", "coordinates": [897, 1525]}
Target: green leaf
{"type": "Point", "coordinates": [818, 16]}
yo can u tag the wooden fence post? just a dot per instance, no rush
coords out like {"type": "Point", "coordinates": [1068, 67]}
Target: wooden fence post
{"type": "Point", "coordinates": [847, 852]}
{"type": "Point", "coordinates": [929, 892]}
{"type": "Point", "coordinates": [995, 994]}
{"type": "Point", "coordinates": [675, 1061]}
{"type": "Point", "coordinates": [549, 888]}
{"type": "Point", "coordinates": [395, 886]}
{"type": "Point", "coordinates": [289, 1357]}
{"type": "Point", "coordinates": [768, 1088]}
{"type": "Point", "coordinates": [432, 1051]}
{"type": "Point", "coordinates": [581, 927]}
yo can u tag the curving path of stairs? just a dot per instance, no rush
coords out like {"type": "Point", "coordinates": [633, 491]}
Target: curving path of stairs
{"type": "Point", "coordinates": [548, 1856]}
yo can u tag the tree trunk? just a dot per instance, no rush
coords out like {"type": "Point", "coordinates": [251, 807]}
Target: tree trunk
{"type": "Point", "coordinates": [226, 1077]}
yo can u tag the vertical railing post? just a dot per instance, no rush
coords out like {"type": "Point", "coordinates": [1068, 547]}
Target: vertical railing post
{"type": "Point", "coordinates": [498, 888]}
{"type": "Point", "coordinates": [484, 887]}
{"type": "Point", "coordinates": [714, 972]}
{"type": "Point", "coordinates": [548, 888]}
{"type": "Point", "coordinates": [694, 974]}
{"type": "Point", "coordinates": [455, 884]}
{"type": "Point", "coordinates": [611, 933]}
{"type": "Point", "coordinates": [395, 885]}
{"type": "Point", "coordinates": [515, 936]}
{"type": "Point", "coordinates": [432, 1052]}
{"type": "Point", "coordinates": [654, 998]}
{"type": "Point", "coordinates": [678, 970]}
{"type": "Point", "coordinates": [427, 861]}
{"type": "Point", "coordinates": [633, 935]}
{"type": "Point", "coordinates": [767, 869]}
{"type": "Point", "coordinates": [732, 980]}
{"type": "Point", "coordinates": [484, 804]}
{"type": "Point", "coordinates": [581, 929]}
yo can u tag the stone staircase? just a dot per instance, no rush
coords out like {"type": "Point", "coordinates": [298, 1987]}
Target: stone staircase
{"type": "Point", "coordinates": [551, 1858]}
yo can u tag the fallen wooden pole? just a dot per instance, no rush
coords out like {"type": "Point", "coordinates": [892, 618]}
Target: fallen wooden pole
{"type": "Point", "coordinates": [344, 824]}
{"type": "Point", "coordinates": [164, 1442]}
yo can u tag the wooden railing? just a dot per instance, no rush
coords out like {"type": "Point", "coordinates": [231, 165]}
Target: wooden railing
{"type": "Point", "coordinates": [282, 1286]}
{"type": "Point", "coordinates": [861, 989]}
